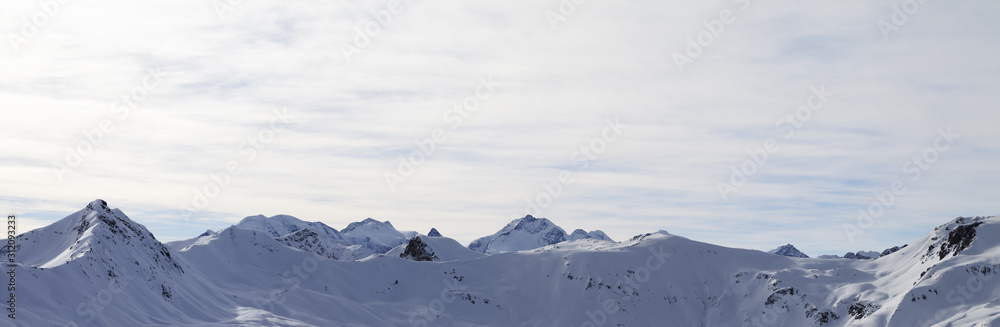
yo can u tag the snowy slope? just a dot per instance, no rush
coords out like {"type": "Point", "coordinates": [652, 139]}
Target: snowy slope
{"type": "Point", "coordinates": [245, 277]}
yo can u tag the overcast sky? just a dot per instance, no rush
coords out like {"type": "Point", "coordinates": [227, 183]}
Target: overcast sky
{"type": "Point", "coordinates": [310, 105]}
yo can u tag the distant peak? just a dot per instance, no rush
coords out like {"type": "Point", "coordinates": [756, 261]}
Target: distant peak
{"type": "Point", "coordinates": [263, 218]}
{"type": "Point", "coordinates": [98, 205]}
{"type": "Point", "coordinates": [367, 221]}
{"type": "Point", "coordinates": [531, 224]}
{"type": "Point", "coordinates": [788, 250]}
{"type": "Point", "coordinates": [206, 233]}
{"type": "Point", "coordinates": [434, 233]}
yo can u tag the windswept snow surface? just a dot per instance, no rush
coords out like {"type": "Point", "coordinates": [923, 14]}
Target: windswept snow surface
{"type": "Point", "coordinates": [96, 267]}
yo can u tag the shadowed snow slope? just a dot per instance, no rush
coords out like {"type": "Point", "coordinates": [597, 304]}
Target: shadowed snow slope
{"type": "Point", "coordinates": [245, 277]}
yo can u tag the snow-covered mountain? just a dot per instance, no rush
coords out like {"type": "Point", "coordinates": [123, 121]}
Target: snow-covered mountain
{"type": "Point", "coordinates": [788, 250]}
{"type": "Point", "coordinates": [357, 241]}
{"type": "Point", "coordinates": [98, 267]}
{"type": "Point", "coordinates": [529, 233]}
{"type": "Point", "coordinates": [580, 234]}
{"type": "Point", "coordinates": [376, 235]}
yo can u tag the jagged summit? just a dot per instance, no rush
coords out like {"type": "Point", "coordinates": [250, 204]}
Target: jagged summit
{"type": "Point", "coordinates": [438, 249]}
{"type": "Point", "coordinates": [434, 233]}
{"type": "Point", "coordinates": [788, 250]}
{"type": "Point", "coordinates": [107, 247]}
{"type": "Point", "coordinates": [93, 230]}
{"type": "Point", "coordinates": [417, 250]}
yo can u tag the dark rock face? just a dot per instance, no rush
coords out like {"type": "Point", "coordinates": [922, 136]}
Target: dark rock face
{"type": "Point", "coordinates": [307, 240]}
{"type": "Point", "coordinates": [417, 250]}
{"type": "Point", "coordinates": [861, 309]}
{"type": "Point", "coordinates": [857, 256]}
{"type": "Point", "coordinates": [959, 239]}
{"type": "Point", "coordinates": [434, 233]}
{"type": "Point", "coordinates": [554, 236]}
{"type": "Point", "coordinates": [892, 250]}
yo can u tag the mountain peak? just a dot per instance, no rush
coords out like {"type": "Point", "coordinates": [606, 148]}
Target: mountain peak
{"type": "Point", "coordinates": [530, 224]}
{"type": "Point", "coordinates": [98, 205]}
{"type": "Point", "coordinates": [97, 234]}
{"type": "Point", "coordinates": [520, 234]}
{"type": "Point", "coordinates": [434, 233]}
{"type": "Point", "coordinates": [277, 226]}
{"type": "Point", "coordinates": [788, 250]}
{"type": "Point", "coordinates": [417, 250]}
{"type": "Point", "coordinates": [580, 234]}
{"type": "Point", "coordinates": [367, 221]}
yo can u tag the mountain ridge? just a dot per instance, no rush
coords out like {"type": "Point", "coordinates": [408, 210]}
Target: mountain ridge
{"type": "Point", "coordinates": [247, 277]}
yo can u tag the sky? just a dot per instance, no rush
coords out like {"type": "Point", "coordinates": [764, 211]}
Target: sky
{"type": "Point", "coordinates": [834, 126]}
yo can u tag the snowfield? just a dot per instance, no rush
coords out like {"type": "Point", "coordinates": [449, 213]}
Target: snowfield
{"type": "Point", "coordinates": [97, 267]}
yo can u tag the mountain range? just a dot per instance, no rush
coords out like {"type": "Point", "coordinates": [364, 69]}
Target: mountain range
{"type": "Point", "coordinates": [97, 267]}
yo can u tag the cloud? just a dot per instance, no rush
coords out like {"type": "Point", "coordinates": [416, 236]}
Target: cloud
{"type": "Point", "coordinates": [354, 119]}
